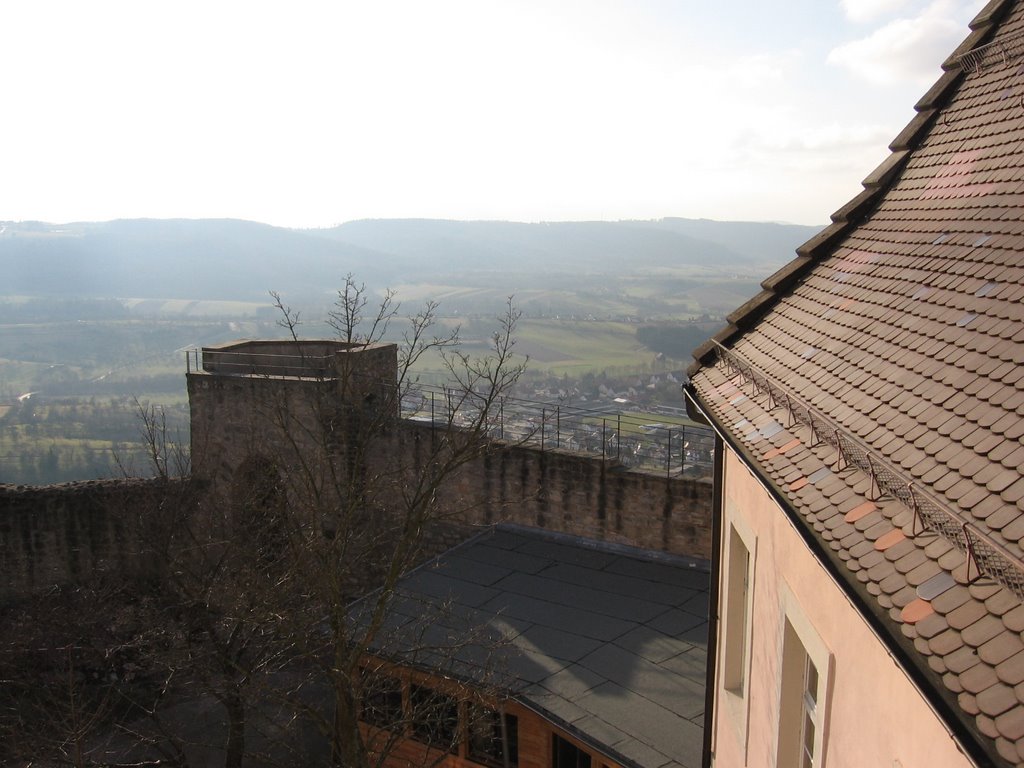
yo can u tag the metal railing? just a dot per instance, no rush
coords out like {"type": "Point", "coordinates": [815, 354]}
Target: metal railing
{"type": "Point", "coordinates": [1005, 51]}
{"type": "Point", "coordinates": [259, 363]}
{"type": "Point", "coordinates": [989, 556]}
{"type": "Point", "coordinates": [630, 439]}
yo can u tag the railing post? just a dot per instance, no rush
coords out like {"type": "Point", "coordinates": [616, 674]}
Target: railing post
{"type": "Point", "coordinates": [558, 426]}
{"type": "Point", "coordinates": [970, 552]}
{"type": "Point", "coordinates": [431, 410]}
{"type": "Point", "coordinates": [604, 438]}
{"type": "Point", "coordinates": [871, 474]}
{"type": "Point", "coordinates": [839, 451]}
{"type": "Point", "coordinates": [618, 437]}
{"type": "Point", "coordinates": [543, 419]}
{"type": "Point", "coordinates": [501, 419]}
{"type": "Point", "coordinates": [668, 454]}
{"type": "Point", "coordinates": [916, 508]}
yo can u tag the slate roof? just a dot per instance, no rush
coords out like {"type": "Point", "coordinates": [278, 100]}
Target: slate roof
{"type": "Point", "coordinates": [606, 641]}
{"type": "Point", "coordinates": [877, 385]}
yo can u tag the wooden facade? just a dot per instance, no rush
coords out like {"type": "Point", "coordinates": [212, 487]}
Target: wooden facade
{"type": "Point", "coordinates": [534, 742]}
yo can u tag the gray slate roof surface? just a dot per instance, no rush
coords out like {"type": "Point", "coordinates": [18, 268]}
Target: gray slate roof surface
{"type": "Point", "coordinates": [610, 643]}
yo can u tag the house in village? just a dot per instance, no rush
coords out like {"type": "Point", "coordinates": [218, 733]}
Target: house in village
{"type": "Point", "coordinates": [530, 648]}
{"type": "Point", "coordinates": [870, 407]}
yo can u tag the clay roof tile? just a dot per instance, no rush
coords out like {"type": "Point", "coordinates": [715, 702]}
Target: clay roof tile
{"type": "Point", "coordinates": [902, 323]}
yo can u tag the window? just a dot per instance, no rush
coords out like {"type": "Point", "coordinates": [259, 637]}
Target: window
{"type": "Point", "coordinates": [804, 691]}
{"type": "Point", "coordinates": [488, 736]}
{"type": "Point", "coordinates": [737, 586]}
{"type": "Point", "coordinates": [809, 719]}
{"type": "Point", "coordinates": [737, 634]}
{"type": "Point", "coordinates": [381, 700]}
{"type": "Point", "coordinates": [565, 754]}
{"type": "Point", "coordinates": [435, 718]}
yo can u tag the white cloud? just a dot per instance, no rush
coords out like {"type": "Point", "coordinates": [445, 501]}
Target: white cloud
{"type": "Point", "coordinates": [868, 10]}
{"type": "Point", "coordinates": [832, 138]}
{"type": "Point", "coordinates": [908, 49]}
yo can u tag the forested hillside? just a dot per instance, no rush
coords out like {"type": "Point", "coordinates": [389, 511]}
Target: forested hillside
{"type": "Point", "coordinates": [241, 260]}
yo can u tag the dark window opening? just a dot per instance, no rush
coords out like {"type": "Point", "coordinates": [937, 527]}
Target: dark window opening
{"type": "Point", "coordinates": [381, 701]}
{"type": "Point", "coordinates": [486, 744]}
{"type": "Point", "coordinates": [435, 718]}
{"type": "Point", "coordinates": [564, 754]}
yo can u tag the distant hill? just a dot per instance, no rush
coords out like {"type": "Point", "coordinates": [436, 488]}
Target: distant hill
{"type": "Point", "coordinates": [229, 259]}
{"type": "Point", "coordinates": [591, 246]}
{"type": "Point", "coordinates": [759, 242]}
{"type": "Point", "coordinates": [172, 258]}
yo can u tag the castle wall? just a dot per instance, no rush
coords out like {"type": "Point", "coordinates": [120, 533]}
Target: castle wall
{"type": "Point", "coordinates": [576, 494]}
{"type": "Point", "coordinates": [235, 418]}
{"type": "Point", "coordinates": [68, 533]}
{"type": "Point", "coordinates": [72, 532]}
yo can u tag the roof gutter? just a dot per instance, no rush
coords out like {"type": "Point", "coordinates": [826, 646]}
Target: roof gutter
{"type": "Point", "coordinates": [717, 508]}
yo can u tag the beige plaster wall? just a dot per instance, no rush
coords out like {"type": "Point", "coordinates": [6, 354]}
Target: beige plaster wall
{"type": "Point", "coordinates": [876, 717]}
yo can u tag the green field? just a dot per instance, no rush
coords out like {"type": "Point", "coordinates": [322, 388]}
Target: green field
{"type": "Point", "coordinates": [84, 362]}
{"type": "Point", "coordinates": [578, 347]}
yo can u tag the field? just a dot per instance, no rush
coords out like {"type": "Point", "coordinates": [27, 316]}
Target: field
{"type": "Point", "coordinates": [70, 372]}
{"type": "Point", "coordinates": [575, 347]}
{"type": "Point", "coordinates": [68, 388]}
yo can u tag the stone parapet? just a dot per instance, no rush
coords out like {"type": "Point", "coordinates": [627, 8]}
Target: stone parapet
{"type": "Point", "coordinates": [71, 532]}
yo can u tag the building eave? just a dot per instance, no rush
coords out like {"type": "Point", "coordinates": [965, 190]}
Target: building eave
{"type": "Point", "coordinates": [942, 701]}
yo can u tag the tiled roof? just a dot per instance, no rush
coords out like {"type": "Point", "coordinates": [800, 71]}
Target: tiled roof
{"type": "Point", "coordinates": [898, 334]}
{"type": "Point", "coordinates": [608, 642]}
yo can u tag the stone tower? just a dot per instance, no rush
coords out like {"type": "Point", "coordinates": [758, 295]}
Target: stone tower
{"type": "Point", "coordinates": [247, 398]}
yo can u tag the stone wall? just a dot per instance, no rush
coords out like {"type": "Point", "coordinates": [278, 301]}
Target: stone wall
{"type": "Point", "coordinates": [68, 533]}
{"type": "Point", "coordinates": [292, 422]}
{"type": "Point", "coordinates": [236, 416]}
{"type": "Point", "coordinates": [576, 494]}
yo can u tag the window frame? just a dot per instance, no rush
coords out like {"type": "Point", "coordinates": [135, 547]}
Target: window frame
{"type": "Point", "coordinates": [737, 600]}
{"type": "Point", "coordinates": [376, 700]}
{"type": "Point", "coordinates": [429, 718]}
{"type": "Point", "coordinates": [802, 645]}
{"type": "Point", "coordinates": [557, 762]}
{"type": "Point", "coordinates": [474, 711]}
{"type": "Point", "coordinates": [736, 655]}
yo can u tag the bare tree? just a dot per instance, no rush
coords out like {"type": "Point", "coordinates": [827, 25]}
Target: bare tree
{"type": "Point", "coordinates": [216, 586]}
{"type": "Point", "coordinates": [72, 677]}
{"type": "Point", "coordinates": [347, 317]}
{"type": "Point", "coordinates": [252, 600]}
{"type": "Point", "coordinates": [366, 491]}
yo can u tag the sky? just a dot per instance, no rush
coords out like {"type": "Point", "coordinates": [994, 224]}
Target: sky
{"type": "Point", "coordinates": [309, 114]}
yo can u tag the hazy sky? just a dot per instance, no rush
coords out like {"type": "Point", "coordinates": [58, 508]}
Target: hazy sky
{"type": "Point", "coordinates": [313, 113]}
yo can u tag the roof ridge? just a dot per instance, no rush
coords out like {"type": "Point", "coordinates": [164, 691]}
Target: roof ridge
{"type": "Point", "coordinates": [875, 185]}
